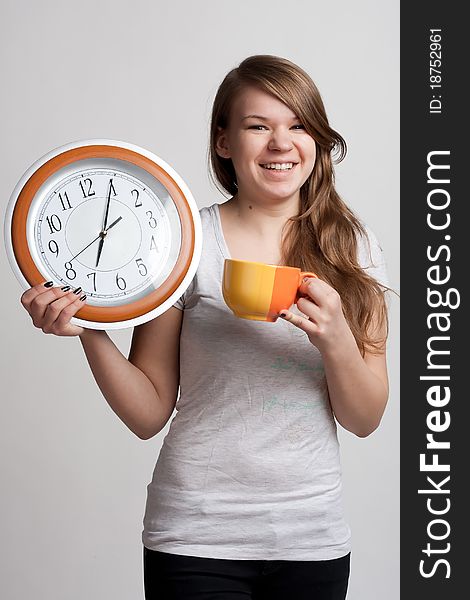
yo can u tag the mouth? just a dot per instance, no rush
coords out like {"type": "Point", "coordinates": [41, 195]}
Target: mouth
{"type": "Point", "coordinates": [278, 166]}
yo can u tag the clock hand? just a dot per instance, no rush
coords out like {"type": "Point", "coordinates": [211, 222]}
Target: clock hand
{"type": "Point", "coordinates": [104, 231]}
{"type": "Point", "coordinates": [94, 240]}
{"type": "Point", "coordinates": [114, 223]}
{"type": "Point", "coordinates": [102, 236]}
{"type": "Point", "coordinates": [108, 200]}
{"type": "Point", "coordinates": [100, 248]}
{"type": "Point", "coordinates": [87, 246]}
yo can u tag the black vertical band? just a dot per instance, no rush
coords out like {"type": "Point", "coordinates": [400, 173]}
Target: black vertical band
{"type": "Point", "coordinates": [435, 356]}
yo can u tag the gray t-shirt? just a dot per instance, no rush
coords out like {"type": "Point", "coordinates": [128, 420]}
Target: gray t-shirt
{"type": "Point", "coordinates": [250, 467]}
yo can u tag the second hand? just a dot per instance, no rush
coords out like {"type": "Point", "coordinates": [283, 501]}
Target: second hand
{"type": "Point", "coordinates": [96, 238]}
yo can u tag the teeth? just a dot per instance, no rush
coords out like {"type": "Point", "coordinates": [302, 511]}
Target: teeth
{"type": "Point", "coordinates": [278, 166]}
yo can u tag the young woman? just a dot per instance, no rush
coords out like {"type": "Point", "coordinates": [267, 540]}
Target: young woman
{"type": "Point", "coordinates": [245, 499]}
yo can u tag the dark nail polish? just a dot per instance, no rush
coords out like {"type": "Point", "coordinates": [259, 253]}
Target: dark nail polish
{"type": "Point", "coordinates": [77, 291]}
{"type": "Point", "coordinates": [283, 315]}
{"type": "Point", "coordinates": [83, 297]}
{"type": "Point", "coordinates": [65, 288]}
{"type": "Point", "coordinates": [49, 284]}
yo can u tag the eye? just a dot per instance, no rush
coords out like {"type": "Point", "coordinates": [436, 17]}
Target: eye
{"type": "Point", "coordinates": [257, 127]}
{"type": "Point", "coordinates": [298, 126]}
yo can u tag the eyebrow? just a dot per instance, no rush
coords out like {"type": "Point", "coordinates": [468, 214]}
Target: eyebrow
{"type": "Point", "coordinates": [255, 117]}
{"type": "Point", "coordinates": [264, 118]}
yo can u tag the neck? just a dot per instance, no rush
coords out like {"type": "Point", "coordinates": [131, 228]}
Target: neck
{"type": "Point", "coordinates": [263, 218]}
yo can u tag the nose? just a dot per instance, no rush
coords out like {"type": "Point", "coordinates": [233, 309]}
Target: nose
{"type": "Point", "coordinates": [280, 140]}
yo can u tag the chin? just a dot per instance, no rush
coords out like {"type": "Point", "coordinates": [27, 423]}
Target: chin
{"type": "Point", "coordinates": [281, 194]}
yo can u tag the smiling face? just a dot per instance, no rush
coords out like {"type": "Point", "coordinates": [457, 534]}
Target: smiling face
{"type": "Point", "coordinates": [272, 154]}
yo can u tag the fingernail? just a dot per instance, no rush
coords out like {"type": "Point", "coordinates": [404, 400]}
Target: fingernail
{"type": "Point", "coordinates": [49, 284]}
{"type": "Point", "coordinates": [83, 297]}
{"type": "Point", "coordinates": [65, 288]}
{"type": "Point", "coordinates": [77, 291]}
{"type": "Point", "coordinates": [283, 315]}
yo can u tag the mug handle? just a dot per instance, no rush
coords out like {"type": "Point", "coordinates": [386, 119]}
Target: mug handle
{"type": "Point", "coordinates": [303, 274]}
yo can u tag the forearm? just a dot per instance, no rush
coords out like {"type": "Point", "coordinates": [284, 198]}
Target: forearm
{"type": "Point", "coordinates": [127, 390]}
{"type": "Point", "coordinates": [357, 395]}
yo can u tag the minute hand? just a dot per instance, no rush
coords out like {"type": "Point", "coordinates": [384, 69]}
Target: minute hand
{"type": "Point", "coordinates": [108, 200]}
{"type": "Point", "coordinates": [102, 236]}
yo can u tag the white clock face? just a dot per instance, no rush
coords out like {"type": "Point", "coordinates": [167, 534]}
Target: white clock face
{"type": "Point", "coordinates": [112, 219]}
{"type": "Point", "coordinates": [107, 227]}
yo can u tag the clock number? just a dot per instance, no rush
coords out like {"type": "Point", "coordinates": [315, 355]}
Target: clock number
{"type": "Point", "coordinates": [120, 282]}
{"type": "Point", "coordinates": [54, 223]}
{"type": "Point", "coordinates": [94, 279]}
{"type": "Point", "coordinates": [69, 273]}
{"type": "Point", "coordinates": [142, 268]}
{"type": "Point", "coordinates": [88, 192]}
{"type": "Point", "coordinates": [153, 245]}
{"type": "Point", "coordinates": [152, 220]}
{"type": "Point", "coordinates": [65, 201]}
{"type": "Point", "coordinates": [53, 247]}
{"type": "Point", "coordinates": [137, 201]}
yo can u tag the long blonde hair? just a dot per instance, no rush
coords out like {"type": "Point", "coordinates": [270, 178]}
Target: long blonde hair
{"type": "Point", "coordinates": [323, 236]}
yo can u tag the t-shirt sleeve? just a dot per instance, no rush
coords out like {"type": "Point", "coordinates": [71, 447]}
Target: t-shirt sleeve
{"type": "Point", "coordinates": [371, 257]}
{"type": "Point", "coordinates": [183, 300]}
{"type": "Point", "coordinates": [180, 302]}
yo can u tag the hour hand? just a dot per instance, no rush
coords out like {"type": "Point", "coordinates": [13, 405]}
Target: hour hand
{"type": "Point", "coordinates": [114, 223]}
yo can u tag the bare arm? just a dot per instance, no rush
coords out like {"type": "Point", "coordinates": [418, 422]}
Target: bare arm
{"type": "Point", "coordinates": [141, 390]}
{"type": "Point", "coordinates": [358, 387]}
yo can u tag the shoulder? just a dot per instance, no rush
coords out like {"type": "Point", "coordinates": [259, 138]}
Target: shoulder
{"type": "Point", "coordinates": [207, 212]}
{"type": "Point", "coordinates": [367, 243]}
{"type": "Point", "coordinates": [208, 217]}
{"type": "Point", "coordinates": [210, 256]}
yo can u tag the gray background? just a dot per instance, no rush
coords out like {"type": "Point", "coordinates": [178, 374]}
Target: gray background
{"type": "Point", "coordinates": [73, 477]}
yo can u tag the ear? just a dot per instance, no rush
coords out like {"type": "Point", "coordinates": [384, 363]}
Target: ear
{"type": "Point", "coordinates": [221, 145]}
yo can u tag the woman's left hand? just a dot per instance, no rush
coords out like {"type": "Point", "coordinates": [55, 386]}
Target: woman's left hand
{"type": "Point", "coordinates": [324, 324]}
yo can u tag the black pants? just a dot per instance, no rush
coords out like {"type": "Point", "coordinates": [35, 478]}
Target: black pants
{"type": "Point", "coordinates": [179, 577]}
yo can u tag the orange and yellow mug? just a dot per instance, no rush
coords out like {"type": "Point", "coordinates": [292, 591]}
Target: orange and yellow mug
{"type": "Point", "coordinates": [259, 291]}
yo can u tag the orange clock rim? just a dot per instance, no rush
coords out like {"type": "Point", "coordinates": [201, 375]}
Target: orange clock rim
{"type": "Point", "coordinates": [109, 314]}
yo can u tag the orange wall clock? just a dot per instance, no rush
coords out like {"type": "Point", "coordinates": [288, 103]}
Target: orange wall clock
{"type": "Point", "coordinates": [109, 217]}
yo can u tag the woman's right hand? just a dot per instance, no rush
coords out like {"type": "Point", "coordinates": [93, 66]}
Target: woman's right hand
{"type": "Point", "coordinates": [51, 308]}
